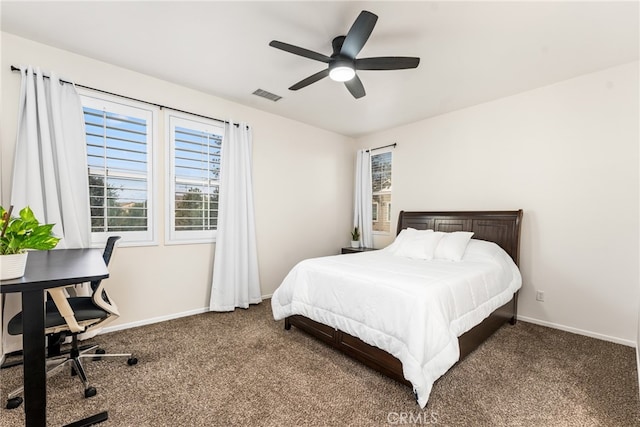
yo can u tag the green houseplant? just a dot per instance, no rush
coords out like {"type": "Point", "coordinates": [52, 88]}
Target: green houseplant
{"type": "Point", "coordinates": [17, 235]}
{"type": "Point", "coordinates": [355, 238]}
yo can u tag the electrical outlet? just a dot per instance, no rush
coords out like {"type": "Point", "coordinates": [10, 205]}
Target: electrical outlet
{"type": "Point", "coordinates": [540, 296]}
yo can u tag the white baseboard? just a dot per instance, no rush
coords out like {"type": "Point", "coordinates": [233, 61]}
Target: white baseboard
{"type": "Point", "coordinates": [616, 340]}
{"type": "Point", "coordinates": [143, 322]}
{"type": "Point", "coordinates": [154, 320]}
{"type": "Point", "coordinates": [123, 326]}
{"type": "Point", "coordinates": [578, 331]}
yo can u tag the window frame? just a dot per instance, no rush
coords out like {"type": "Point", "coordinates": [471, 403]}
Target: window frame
{"type": "Point", "coordinates": [390, 192]}
{"type": "Point", "coordinates": [375, 211]}
{"type": "Point", "coordinates": [118, 105]}
{"type": "Point", "coordinates": [171, 120]}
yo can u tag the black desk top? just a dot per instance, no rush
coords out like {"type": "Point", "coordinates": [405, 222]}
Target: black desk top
{"type": "Point", "coordinates": [50, 269]}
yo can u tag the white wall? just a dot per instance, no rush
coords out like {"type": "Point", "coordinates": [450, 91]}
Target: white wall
{"type": "Point", "coordinates": [302, 185]}
{"type": "Point", "coordinates": [1, 198]}
{"type": "Point", "coordinates": [568, 155]}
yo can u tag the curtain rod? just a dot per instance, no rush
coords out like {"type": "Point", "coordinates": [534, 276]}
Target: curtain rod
{"type": "Point", "coordinates": [384, 146]}
{"type": "Point", "coordinates": [14, 68]}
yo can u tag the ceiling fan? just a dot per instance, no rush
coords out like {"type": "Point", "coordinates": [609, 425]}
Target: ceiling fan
{"type": "Point", "coordinates": [342, 64]}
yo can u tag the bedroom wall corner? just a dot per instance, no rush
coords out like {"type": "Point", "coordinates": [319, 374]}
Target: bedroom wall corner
{"type": "Point", "coordinates": [302, 186]}
{"type": "Point", "coordinates": [567, 154]}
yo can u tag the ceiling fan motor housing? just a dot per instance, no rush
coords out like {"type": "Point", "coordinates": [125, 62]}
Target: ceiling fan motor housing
{"type": "Point", "coordinates": [336, 43]}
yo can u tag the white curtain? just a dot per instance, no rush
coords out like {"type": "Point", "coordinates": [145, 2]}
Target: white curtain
{"type": "Point", "coordinates": [362, 216]}
{"type": "Point", "coordinates": [236, 281]}
{"type": "Point", "coordinates": [50, 167]}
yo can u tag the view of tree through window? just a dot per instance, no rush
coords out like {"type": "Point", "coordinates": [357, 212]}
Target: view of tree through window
{"type": "Point", "coordinates": [381, 186]}
{"type": "Point", "coordinates": [194, 148]}
{"type": "Point", "coordinates": [117, 160]}
{"type": "Point", "coordinates": [197, 175]}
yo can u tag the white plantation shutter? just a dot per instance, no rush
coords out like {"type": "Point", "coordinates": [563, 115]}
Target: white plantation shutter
{"type": "Point", "coordinates": [194, 181]}
{"type": "Point", "coordinates": [119, 157]}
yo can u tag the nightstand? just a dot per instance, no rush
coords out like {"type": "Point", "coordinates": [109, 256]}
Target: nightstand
{"type": "Point", "coordinates": [356, 250]}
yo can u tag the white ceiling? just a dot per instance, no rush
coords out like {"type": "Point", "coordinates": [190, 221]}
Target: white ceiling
{"type": "Point", "coordinates": [471, 52]}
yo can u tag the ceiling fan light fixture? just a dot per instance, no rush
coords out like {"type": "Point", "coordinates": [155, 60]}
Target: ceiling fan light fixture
{"type": "Point", "coordinates": [342, 73]}
{"type": "Point", "coordinates": [341, 70]}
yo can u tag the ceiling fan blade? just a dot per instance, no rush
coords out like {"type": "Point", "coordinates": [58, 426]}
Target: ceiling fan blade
{"type": "Point", "coordinates": [300, 51]}
{"type": "Point", "coordinates": [311, 79]}
{"type": "Point", "coordinates": [387, 63]}
{"type": "Point", "coordinates": [358, 34]}
{"type": "Point", "coordinates": [355, 87]}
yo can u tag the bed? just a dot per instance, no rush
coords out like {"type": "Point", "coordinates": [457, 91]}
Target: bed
{"type": "Point", "coordinates": [376, 338]}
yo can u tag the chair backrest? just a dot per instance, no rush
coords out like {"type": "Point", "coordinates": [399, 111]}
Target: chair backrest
{"type": "Point", "coordinates": [106, 255]}
{"type": "Point", "coordinates": [100, 296]}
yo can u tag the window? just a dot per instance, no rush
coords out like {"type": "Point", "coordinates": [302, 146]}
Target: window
{"type": "Point", "coordinates": [119, 156]}
{"type": "Point", "coordinates": [194, 181]}
{"type": "Point", "coordinates": [374, 212]}
{"type": "Point", "coordinates": [381, 191]}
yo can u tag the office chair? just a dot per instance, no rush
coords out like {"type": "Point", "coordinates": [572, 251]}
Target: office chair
{"type": "Point", "coordinates": [72, 316]}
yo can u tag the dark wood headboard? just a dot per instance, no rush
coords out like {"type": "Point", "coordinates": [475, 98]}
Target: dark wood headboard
{"type": "Point", "coordinates": [501, 227]}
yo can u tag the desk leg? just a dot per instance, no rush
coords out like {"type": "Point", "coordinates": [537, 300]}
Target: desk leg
{"type": "Point", "coordinates": [33, 345]}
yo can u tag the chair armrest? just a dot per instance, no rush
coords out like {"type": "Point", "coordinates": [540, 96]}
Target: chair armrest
{"type": "Point", "coordinates": [61, 302]}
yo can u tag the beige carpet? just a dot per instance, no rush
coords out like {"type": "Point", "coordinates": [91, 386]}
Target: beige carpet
{"type": "Point", "coordinates": [244, 369]}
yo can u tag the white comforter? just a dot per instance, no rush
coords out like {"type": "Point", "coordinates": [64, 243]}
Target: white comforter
{"type": "Point", "coordinates": [413, 309]}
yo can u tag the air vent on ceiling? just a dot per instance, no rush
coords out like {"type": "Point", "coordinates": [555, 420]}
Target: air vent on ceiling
{"type": "Point", "coordinates": [270, 96]}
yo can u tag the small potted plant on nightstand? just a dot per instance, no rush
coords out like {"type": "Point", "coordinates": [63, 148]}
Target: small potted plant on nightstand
{"type": "Point", "coordinates": [355, 238]}
{"type": "Point", "coordinates": [17, 234]}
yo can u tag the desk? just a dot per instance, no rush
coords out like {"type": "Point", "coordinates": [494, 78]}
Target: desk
{"type": "Point", "coordinates": [45, 270]}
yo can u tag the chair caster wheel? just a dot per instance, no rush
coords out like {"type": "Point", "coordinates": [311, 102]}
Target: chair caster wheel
{"type": "Point", "coordinates": [99, 351]}
{"type": "Point", "coordinates": [14, 403]}
{"type": "Point", "coordinates": [132, 361]}
{"type": "Point", "coordinates": [90, 392]}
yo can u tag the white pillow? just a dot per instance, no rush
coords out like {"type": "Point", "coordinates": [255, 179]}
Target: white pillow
{"type": "Point", "coordinates": [418, 244]}
{"type": "Point", "coordinates": [452, 245]}
{"type": "Point", "coordinates": [404, 233]}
